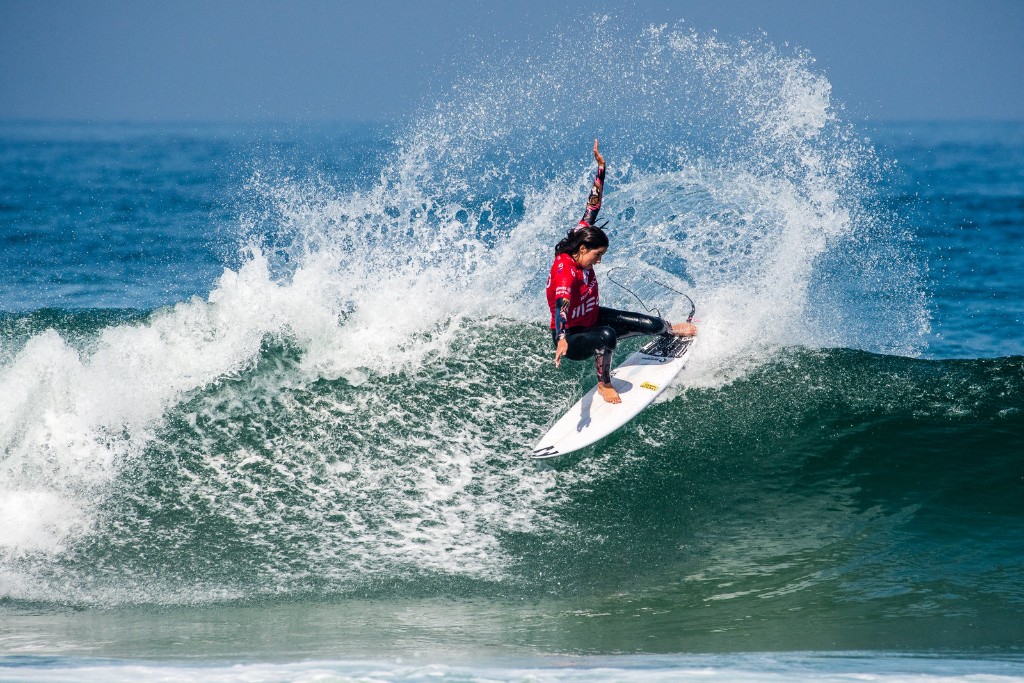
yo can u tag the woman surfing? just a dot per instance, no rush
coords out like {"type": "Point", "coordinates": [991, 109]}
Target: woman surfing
{"type": "Point", "coordinates": [580, 327]}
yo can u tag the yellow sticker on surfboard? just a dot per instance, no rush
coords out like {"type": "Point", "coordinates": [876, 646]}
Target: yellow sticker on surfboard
{"type": "Point", "coordinates": [648, 385]}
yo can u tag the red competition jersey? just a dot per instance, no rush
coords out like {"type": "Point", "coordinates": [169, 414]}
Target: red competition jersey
{"type": "Point", "coordinates": [579, 286]}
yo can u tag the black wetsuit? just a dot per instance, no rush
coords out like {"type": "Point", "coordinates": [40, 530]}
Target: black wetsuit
{"type": "Point", "coordinates": [598, 340]}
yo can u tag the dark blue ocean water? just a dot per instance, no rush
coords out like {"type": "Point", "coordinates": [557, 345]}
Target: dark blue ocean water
{"type": "Point", "coordinates": [265, 391]}
{"type": "Point", "coordinates": [961, 185]}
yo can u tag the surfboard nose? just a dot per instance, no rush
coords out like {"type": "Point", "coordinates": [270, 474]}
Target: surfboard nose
{"type": "Point", "coordinates": [545, 452]}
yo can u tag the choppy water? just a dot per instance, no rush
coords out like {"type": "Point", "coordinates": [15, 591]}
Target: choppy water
{"type": "Point", "coordinates": [265, 393]}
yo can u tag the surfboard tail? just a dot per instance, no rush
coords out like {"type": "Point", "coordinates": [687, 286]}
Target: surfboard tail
{"type": "Point", "coordinates": [667, 346]}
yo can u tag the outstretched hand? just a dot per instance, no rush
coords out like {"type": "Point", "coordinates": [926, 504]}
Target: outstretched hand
{"type": "Point", "coordinates": [597, 155]}
{"type": "Point", "coordinates": [560, 350]}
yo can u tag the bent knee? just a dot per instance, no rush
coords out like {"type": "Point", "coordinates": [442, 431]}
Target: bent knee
{"type": "Point", "coordinates": [607, 338]}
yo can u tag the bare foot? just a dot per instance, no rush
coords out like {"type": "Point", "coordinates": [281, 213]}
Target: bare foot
{"type": "Point", "coordinates": [684, 330]}
{"type": "Point", "coordinates": [608, 393]}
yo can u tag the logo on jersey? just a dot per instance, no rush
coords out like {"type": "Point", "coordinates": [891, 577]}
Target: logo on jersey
{"type": "Point", "coordinates": [586, 306]}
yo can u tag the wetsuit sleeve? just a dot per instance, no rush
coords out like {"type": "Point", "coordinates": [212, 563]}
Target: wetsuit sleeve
{"type": "Point", "coordinates": [561, 308]}
{"type": "Point", "coordinates": [594, 200]}
{"type": "Point", "coordinates": [561, 284]}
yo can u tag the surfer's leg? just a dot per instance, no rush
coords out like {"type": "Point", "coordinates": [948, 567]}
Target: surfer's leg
{"type": "Point", "coordinates": [598, 342]}
{"type": "Point", "coordinates": [603, 366]}
{"type": "Point", "coordinates": [588, 341]}
{"type": "Point", "coordinates": [629, 324]}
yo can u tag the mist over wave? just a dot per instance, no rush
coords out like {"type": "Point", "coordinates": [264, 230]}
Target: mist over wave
{"type": "Point", "coordinates": [349, 407]}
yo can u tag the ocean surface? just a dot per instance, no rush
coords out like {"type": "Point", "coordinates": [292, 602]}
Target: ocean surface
{"type": "Point", "coordinates": [266, 391]}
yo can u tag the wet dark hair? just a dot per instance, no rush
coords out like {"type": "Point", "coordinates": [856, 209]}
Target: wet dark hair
{"type": "Point", "coordinates": [592, 237]}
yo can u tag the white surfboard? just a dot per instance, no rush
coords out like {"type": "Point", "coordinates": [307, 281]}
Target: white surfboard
{"type": "Point", "coordinates": [639, 380]}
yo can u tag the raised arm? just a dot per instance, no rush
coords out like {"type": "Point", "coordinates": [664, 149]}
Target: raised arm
{"type": "Point", "coordinates": [594, 200]}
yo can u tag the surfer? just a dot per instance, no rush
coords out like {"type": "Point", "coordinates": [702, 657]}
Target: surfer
{"type": "Point", "coordinates": [580, 327]}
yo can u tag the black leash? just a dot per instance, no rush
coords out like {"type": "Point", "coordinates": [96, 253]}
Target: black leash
{"type": "Point", "coordinates": [693, 306]}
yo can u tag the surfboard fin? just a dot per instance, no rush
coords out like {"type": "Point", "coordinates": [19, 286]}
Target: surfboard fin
{"type": "Point", "coordinates": [546, 452]}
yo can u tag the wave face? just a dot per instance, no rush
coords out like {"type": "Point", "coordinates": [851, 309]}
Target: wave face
{"type": "Point", "coordinates": [824, 485]}
{"type": "Point", "coordinates": [346, 413]}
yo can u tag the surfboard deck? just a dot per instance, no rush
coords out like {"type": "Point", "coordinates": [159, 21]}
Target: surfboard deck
{"type": "Point", "coordinates": [640, 379]}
